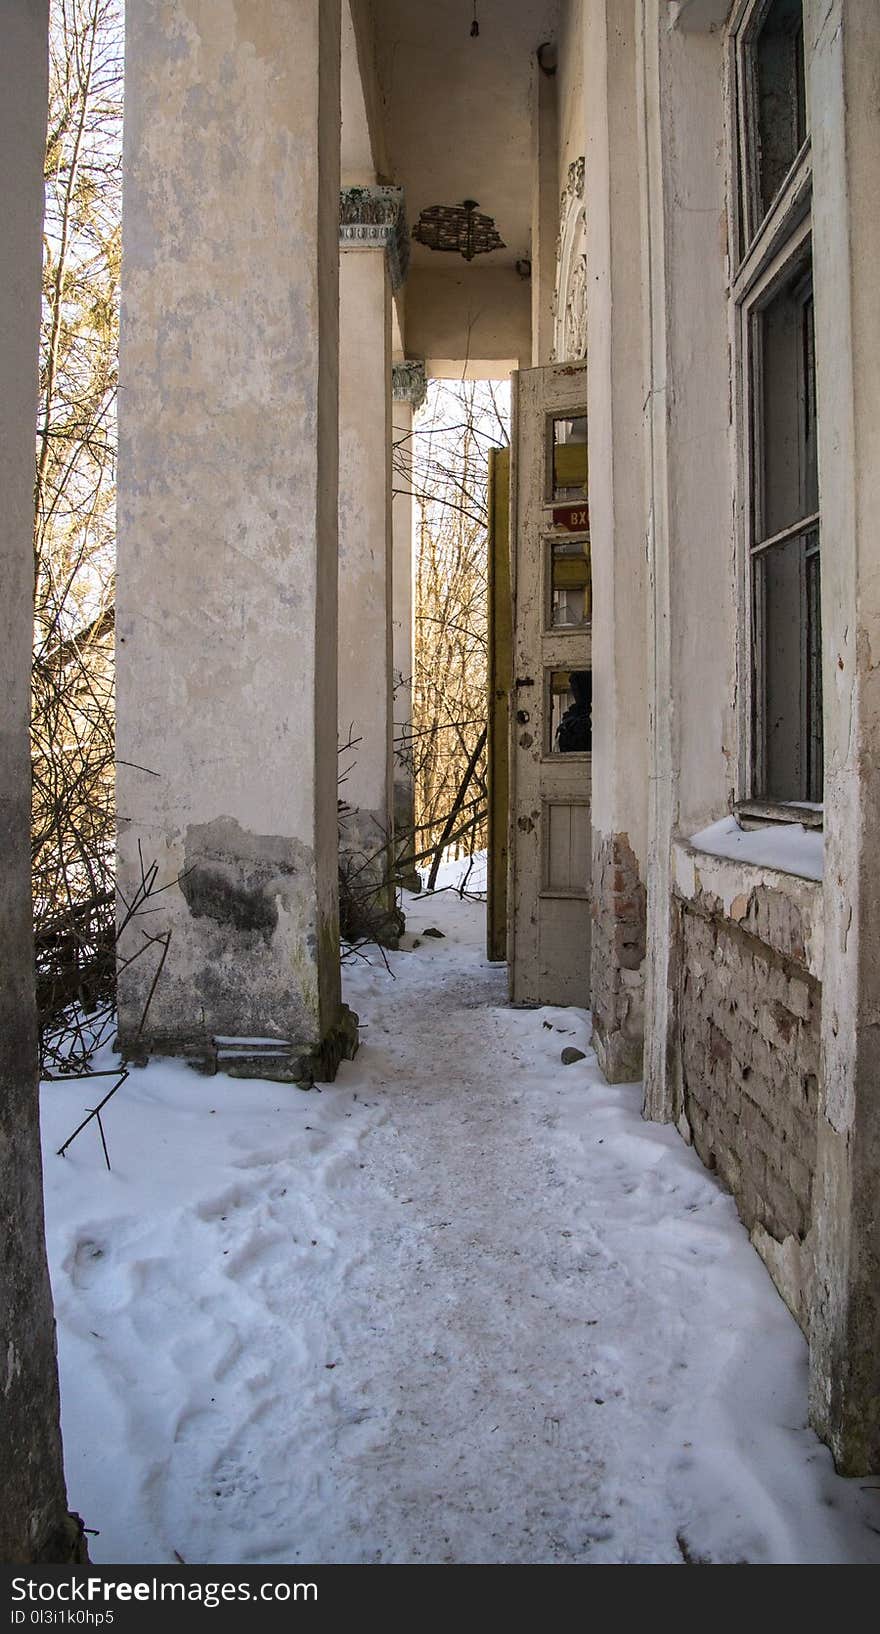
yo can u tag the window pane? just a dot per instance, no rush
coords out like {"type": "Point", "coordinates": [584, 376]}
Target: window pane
{"type": "Point", "coordinates": [569, 709]}
{"type": "Point", "coordinates": [778, 125]}
{"type": "Point", "coordinates": [815, 755]}
{"type": "Point", "coordinates": [785, 426]}
{"type": "Point", "coordinates": [571, 603]}
{"type": "Point", "coordinates": [568, 453]}
{"type": "Point", "coordinates": [788, 668]}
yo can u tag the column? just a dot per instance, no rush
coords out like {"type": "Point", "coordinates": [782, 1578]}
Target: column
{"type": "Point", "coordinates": [691, 545]}
{"type": "Point", "coordinates": [226, 604]}
{"type": "Point", "coordinates": [34, 1524]}
{"type": "Point", "coordinates": [373, 245]}
{"type": "Point", "coordinates": [842, 47]}
{"type": "Point", "coordinates": [408, 391]}
{"type": "Point", "coordinates": [615, 400]}
{"type": "Point", "coordinates": [545, 201]}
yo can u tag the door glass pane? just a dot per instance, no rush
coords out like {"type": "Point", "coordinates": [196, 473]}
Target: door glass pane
{"type": "Point", "coordinates": [568, 458]}
{"type": "Point", "coordinates": [571, 600]}
{"type": "Point", "coordinates": [569, 711]}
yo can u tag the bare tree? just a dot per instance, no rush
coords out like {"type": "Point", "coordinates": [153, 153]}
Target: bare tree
{"type": "Point", "coordinates": [74, 510]}
{"type": "Point", "coordinates": [461, 422]}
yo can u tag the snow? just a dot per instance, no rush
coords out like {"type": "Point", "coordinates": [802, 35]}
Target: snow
{"type": "Point", "coordinates": [789, 847]}
{"type": "Point", "coordinates": [462, 1305]}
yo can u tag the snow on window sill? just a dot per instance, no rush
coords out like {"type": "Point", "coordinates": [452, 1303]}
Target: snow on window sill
{"type": "Point", "coordinates": [789, 848]}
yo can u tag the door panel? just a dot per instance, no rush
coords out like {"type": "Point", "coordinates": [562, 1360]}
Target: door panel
{"type": "Point", "coordinates": [551, 726]}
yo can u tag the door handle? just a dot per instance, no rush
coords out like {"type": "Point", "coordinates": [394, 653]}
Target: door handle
{"type": "Point", "coordinates": [524, 681]}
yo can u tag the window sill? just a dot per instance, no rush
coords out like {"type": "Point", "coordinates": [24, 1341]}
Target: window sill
{"type": "Point", "coordinates": [785, 847]}
{"type": "Point", "coordinates": [752, 814]}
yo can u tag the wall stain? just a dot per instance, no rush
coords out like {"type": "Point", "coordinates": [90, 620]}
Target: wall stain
{"type": "Point", "coordinates": [212, 895]}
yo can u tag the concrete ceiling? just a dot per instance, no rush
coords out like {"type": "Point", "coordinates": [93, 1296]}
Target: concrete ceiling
{"type": "Point", "coordinates": [457, 110]}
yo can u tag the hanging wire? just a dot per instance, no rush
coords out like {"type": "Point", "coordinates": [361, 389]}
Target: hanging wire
{"type": "Point", "coordinates": [475, 27]}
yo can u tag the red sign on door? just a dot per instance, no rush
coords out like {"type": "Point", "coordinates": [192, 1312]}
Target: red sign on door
{"type": "Point", "coordinates": [575, 518]}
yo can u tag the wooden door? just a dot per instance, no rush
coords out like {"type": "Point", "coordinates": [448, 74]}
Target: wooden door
{"type": "Point", "coordinates": [500, 682]}
{"type": "Point", "coordinates": [551, 737]}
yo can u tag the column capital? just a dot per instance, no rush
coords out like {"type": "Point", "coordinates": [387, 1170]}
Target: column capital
{"type": "Point", "coordinates": [408, 382]}
{"type": "Point", "coordinates": [374, 218]}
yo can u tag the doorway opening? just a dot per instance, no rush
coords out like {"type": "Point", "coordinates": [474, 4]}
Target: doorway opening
{"type": "Point", "coordinates": [462, 426]}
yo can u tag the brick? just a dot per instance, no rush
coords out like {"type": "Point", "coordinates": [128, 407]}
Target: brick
{"type": "Point", "coordinates": [748, 1037]}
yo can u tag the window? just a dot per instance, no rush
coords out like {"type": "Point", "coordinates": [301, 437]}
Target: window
{"type": "Point", "coordinates": [568, 711]}
{"type": "Point", "coordinates": [773, 293]}
{"type": "Point", "coordinates": [567, 462]}
{"type": "Point", "coordinates": [774, 104]}
{"type": "Point", "coordinates": [569, 584]}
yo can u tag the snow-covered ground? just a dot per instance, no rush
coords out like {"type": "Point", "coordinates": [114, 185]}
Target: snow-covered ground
{"type": "Point", "coordinates": [462, 1305]}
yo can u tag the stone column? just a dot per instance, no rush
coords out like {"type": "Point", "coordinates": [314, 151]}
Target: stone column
{"type": "Point", "coordinates": [617, 523]}
{"type": "Point", "coordinates": [373, 246]}
{"type": "Point", "coordinates": [34, 1524]}
{"type": "Point", "coordinates": [842, 51]}
{"type": "Point", "coordinates": [408, 390]}
{"type": "Point", "coordinates": [226, 604]}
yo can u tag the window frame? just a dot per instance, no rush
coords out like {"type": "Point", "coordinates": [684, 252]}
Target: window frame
{"type": "Point", "coordinates": [763, 258]}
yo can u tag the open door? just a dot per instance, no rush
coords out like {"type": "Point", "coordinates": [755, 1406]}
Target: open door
{"type": "Point", "coordinates": [551, 727]}
{"type": "Point", "coordinates": [500, 682]}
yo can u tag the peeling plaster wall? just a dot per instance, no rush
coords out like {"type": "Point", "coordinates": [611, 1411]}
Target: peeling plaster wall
{"type": "Point", "coordinates": [34, 1524]}
{"type": "Point", "coordinates": [226, 615]}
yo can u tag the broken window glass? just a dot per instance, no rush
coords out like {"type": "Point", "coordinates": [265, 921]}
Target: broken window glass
{"type": "Point", "coordinates": [569, 711]}
{"type": "Point", "coordinates": [568, 459]}
{"type": "Point", "coordinates": [571, 600]}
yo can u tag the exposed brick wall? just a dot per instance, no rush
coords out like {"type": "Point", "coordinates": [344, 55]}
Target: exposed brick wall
{"type": "Point", "coordinates": [617, 957]}
{"type": "Point", "coordinates": [748, 1056]}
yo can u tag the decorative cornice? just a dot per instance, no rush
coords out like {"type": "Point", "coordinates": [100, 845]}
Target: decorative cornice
{"type": "Point", "coordinates": [374, 218]}
{"type": "Point", "coordinates": [408, 382]}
